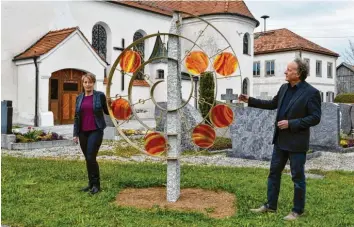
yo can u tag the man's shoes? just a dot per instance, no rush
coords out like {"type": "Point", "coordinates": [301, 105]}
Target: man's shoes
{"type": "Point", "coordinates": [95, 189]}
{"type": "Point", "coordinates": [292, 216]}
{"type": "Point", "coordinates": [87, 188]}
{"type": "Point", "coordinates": [262, 209]}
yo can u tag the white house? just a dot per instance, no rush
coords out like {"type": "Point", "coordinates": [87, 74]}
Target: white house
{"type": "Point", "coordinates": [274, 49]}
{"type": "Point", "coordinates": [47, 46]}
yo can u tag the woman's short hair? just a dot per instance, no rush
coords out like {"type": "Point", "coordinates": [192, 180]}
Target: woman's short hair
{"type": "Point", "coordinates": [89, 76]}
{"type": "Point", "coordinates": [302, 68]}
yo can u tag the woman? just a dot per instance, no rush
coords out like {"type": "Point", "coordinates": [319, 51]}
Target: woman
{"type": "Point", "coordinates": [89, 124]}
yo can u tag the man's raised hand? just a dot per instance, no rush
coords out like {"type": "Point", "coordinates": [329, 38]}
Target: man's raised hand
{"type": "Point", "coordinates": [243, 98]}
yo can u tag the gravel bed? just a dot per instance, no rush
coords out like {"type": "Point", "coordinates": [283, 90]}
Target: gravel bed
{"type": "Point", "coordinates": [326, 161]}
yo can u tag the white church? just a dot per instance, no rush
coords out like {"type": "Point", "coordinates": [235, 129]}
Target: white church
{"type": "Point", "coordinates": [48, 46]}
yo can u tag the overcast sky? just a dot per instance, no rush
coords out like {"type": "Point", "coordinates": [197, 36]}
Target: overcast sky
{"type": "Point", "coordinates": [329, 24]}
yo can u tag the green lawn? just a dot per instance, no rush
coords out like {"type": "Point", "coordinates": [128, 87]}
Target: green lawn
{"type": "Point", "coordinates": [38, 192]}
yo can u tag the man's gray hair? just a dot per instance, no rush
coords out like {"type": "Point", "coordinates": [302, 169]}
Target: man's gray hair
{"type": "Point", "coordinates": [302, 68]}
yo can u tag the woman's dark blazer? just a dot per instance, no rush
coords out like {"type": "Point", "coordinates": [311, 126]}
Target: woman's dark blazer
{"type": "Point", "coordinates": [99, 108]}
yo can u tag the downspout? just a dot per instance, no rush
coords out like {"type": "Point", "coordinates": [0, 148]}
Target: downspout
{"type": "Point", "coordinates": [36, 94]}
{"type": "Point", "coordinates": [335, 79]}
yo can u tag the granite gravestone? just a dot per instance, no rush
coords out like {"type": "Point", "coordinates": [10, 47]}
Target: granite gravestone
{"type": "Point", "coordinates": [6, 117]}
{"type": "Point", "coordinates": [346, 118]}
{"type": "Point", "coordinates": [252, 132]}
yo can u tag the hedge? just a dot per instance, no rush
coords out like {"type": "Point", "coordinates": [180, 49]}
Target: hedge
{"type": "Point", "coordinates": [345, 98]}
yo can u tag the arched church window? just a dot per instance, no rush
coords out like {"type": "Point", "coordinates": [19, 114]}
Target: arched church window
{"type": "Point", "coordinates": [99, 40]}
{"type": "Point", "coordinates": [140, 48]}
{"type": "Point", "coordinates": [246, 44]}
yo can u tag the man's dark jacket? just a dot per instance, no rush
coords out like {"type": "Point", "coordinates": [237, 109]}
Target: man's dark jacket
{"type": "Point", "coordinates": [302, 112]}
{"type": "Point", "coordinates": [99, 108]}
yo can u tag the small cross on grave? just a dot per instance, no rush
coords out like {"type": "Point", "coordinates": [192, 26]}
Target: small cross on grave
{"type": "Point", "coordinates": [121, 49]}
{"type": "Point", "coordinates": [264, 96]}
{"type": "Point", "coordinates": [229, 96]}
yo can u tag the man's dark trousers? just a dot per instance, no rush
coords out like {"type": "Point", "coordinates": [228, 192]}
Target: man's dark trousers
{"type": "Point", "coordinates": [297, 166]}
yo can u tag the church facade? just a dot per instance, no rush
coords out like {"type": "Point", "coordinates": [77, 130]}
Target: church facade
{"type": "Point", "coordinates": [48, 46]}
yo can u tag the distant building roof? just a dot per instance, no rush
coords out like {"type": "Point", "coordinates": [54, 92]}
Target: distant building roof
{"type": "Point", "coordinates": [281, 40]}
{"type": "Point", "coordinates": [350, 67]}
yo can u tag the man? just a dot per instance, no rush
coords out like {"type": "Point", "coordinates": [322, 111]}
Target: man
{"type": "Point", "coordinates": [298, 107]}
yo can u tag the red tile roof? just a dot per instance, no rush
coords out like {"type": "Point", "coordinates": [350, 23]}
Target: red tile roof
{"type": "Point", "coordinates": [140, 83]}
{"type": "Point", "coordinates": [166, 7]}
{"type": "Point", "coordinates": [48, 42]}
{"type": "Point", "coordinates": [281, 40]}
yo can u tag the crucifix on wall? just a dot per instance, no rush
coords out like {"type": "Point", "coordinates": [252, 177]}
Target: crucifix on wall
{"type": "Point", "coordinates": [122, 73]}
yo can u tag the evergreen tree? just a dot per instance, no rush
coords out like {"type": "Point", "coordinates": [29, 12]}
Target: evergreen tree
{"type": "Point", "coordinates": [206, 92]}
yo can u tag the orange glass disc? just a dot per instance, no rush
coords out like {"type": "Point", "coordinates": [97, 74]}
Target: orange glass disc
{"type": "Point", "coordinates": [121, 109]}
{"type": "Point", "coordinates": [197, 62]}
{"type": "Point", "coordinates": [203, 136]}
{"type": "Point", "coordinates": [225, 64]}
{"type": "Point", "coordinates": [130, 61]}
{"type": "Point", "coordinates": [155, 143]}
{"type": "Point", "coordinates": [221, 116]}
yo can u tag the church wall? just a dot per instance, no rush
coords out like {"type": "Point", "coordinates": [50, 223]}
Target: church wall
{"type": "Point", "coordinates": [73, 59]}
{"type": "Point", "coordinates": [143, 109]}
{"type": "Point", "coordinates": [20, 32]}
{"type": "Point", "coordinates": [186, 91]}
{"type": "Point", "coordinates": [26, 94]}
{"type": "Point", "coordinates": [123, 22]}
{"type": "Point", "coordinates": [233, 28]}
{"type": "Point", "coordinates": [160, 93]}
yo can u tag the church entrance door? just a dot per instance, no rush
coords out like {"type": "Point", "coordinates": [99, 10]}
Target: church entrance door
{"type": "Point", "coordinates": [64, 86]}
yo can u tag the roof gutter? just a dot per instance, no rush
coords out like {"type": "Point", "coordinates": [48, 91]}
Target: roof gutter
{"type": "Point", "coordinates": [25, 58]}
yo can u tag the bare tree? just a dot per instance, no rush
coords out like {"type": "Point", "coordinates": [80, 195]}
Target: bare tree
{"type": "Point", "coordinates": [348, 54]}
